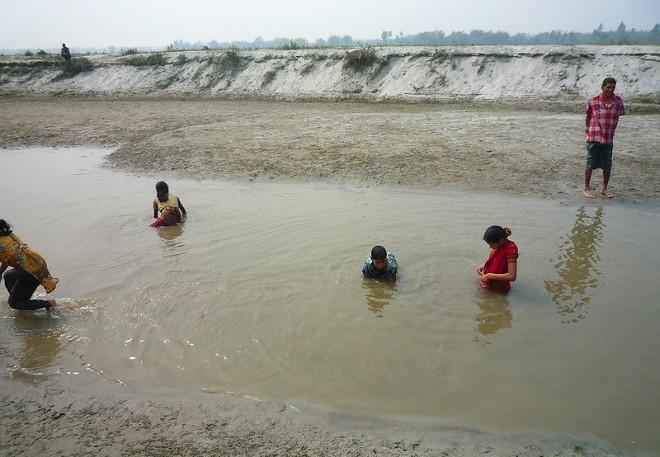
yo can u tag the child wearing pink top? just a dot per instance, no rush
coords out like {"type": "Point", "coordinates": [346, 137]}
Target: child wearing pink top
{"type": "Point", "coordinates": [501, 268]}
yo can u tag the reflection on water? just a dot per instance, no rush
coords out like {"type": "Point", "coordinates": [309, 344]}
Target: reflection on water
{"type": "Point", "coordinates": [494, 313]}
{"type": "Point", "coordinates": [170, 233]}
{"type": "Point", "coordinates": [576, 266]}
{"type": "Point", "coordinates": [379, 294]}
{"type": "Point", "coordinates": [40, 336]}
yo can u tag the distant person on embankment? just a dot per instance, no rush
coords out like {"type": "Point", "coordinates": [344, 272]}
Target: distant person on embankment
{"type": "Point", "coordinates": [65, 53]}
{"type": "Point", "coordinates": [168, 209]}
{"type": "Point", "coordinates": [29, 270]}
{"type": "Point", "coordinates": [603, 113]}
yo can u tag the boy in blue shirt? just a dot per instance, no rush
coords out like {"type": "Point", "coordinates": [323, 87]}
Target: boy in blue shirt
{"type": "Point", "coordinates": [381, 265]}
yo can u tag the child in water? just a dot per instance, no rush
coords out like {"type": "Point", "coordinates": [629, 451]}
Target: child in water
{"type": "Point", "coordinates": [28, 271]}
{"type": "Point", "coordinates": [168, 209]}
{"type": "Point", "coordinates": [502, 265]}
{"type": "Point", "coordinates": [381, 265]}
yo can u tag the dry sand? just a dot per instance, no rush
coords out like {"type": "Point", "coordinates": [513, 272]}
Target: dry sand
{"type": "Point", "coordinates": [492, 147]}
{"type": "Point", "coordinates": [486, 148]}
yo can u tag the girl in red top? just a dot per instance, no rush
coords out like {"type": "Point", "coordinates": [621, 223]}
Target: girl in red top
{"type": "Point", "coordinates": [502, 265]}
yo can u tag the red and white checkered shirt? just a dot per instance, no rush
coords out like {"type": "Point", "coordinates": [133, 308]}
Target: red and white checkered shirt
{"type": "Point", "coordinates": [603, 118]}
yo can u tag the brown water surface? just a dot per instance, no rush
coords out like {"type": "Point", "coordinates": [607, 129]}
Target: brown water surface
{"type": "Point", "coordinates": [260, 294]}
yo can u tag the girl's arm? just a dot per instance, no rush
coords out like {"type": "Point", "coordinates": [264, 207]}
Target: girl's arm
{"type": "Point", "coordinates": [183, 210]}
{"type": "Point", "coordinates": [155, 210]}
{"type": "Point", "coordinates": [510, 275]}
{"type": "Point", "coordinates": [3, 267]}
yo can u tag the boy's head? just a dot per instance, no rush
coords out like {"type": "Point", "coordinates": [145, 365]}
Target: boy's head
{"type": "Point", "coordinates": [162, 191]}
{"type": "Point", "coordinates": [379, 257]}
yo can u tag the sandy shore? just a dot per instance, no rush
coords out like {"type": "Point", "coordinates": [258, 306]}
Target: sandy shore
{"type": "Point", "coordinates": [493, 147]}
{"type": "Point", "coordinates": [56, 419]}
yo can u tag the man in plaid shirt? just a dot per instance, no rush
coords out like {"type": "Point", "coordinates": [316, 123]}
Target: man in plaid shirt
{"type": "Point", "coordinates": [603, 113]}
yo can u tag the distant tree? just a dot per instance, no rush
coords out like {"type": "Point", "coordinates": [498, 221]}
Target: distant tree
{"type": "Point", "coordinates": [654, 34]}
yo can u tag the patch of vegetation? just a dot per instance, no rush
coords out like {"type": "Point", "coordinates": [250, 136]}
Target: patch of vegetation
{"type": "Point", "coordinates": [291, 45]}
{"type": "Point", "coordinates": [556, 57]}
{"type": "Point", "coordinates": [24, 68]}
{"type": "Point", "coordinates": [439, 56]}
{"type": "Point", "coordinates": [129, 51]}
{"type": "Point", "coordinates": [28, 53]}
{"type": "Point", "coordinates": [360, 59]}
{"type": "Point", "coordinates": [73, 67]}
{"type": "Point", "coordinates": [151, 60]}
{"type": "Point", "coordinates": [181, 59]}
{"type": "Point", "coordinates": [230, 61]}
{"type": "Point", "coordinates": [42, 53]}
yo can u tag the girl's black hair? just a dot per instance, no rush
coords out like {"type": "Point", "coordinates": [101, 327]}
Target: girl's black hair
{"type": "Point", "coordinates": [162, 190]}
{"type": "Point", "coordinates": [495, 233]}
{"type": "Point", "coordinates": [161, 187]}
{"type": "Point", "coordinates": [5, 227]}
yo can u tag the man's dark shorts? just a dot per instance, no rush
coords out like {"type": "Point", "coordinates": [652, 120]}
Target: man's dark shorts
{"type": "Point", "coordinates": [599, 155]}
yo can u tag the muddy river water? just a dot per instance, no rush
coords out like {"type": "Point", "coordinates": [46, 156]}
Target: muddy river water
{"type": "Point", "coordinates": [260, 294]}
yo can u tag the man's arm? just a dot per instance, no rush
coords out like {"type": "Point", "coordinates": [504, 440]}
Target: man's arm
{"type": "Point", "coordinates": [155, 210]}
{"type": "Point", "coordinates": [588, 116]}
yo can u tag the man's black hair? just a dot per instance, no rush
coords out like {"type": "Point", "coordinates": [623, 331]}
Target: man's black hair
{"type": "Point", "coordinates": [378, 253]}
{"type": "Point", "coordinates": [608, 80]}
{"type": "Point", "coordinates": [494, 233]}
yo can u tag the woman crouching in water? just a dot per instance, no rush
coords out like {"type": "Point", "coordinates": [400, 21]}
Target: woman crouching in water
{"type": "Point", "coordinates": [168, 209]}
{"type": "Point", "coordinates": [28, 271]}
{"type": "Point", "coordinates": [501, 268]}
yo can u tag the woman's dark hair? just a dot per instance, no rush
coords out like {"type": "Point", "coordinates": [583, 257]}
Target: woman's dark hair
{"type": "Point", "coordinates": [5, 228]}
{"type": "Point", "coordinates": [161, 187]}
{"type": "Point", "coordinates": [378, 253]}
{"type": "Point", "coordinates": [162, 190]}
{"type": "Point", "coordinates": [495, 233]}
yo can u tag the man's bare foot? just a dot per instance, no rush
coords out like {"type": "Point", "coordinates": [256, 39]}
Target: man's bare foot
{"type": "Point", "coordinates": [51, 304]}
{"type": "Point", "coordinates": [607, 193]}
{"type": "Point", "coordinates": [587, 193]}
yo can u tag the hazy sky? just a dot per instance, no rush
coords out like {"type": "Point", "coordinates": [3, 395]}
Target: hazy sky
{"type": "Point", "coordinates": [123, 23]}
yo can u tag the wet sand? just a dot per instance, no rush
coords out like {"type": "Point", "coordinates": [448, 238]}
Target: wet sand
{"type": "Point", "coordinates": [493, 147]}
{"type": "Point", "coordinates": [61, 420]}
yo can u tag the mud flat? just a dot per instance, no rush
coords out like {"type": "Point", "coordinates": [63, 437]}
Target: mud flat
{"type": "Point", "coordinates": [60, 420]}
{"type": "Point", "coordinates": [494, 147]}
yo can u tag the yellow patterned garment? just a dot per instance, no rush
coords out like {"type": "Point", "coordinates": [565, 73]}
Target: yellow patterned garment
{"type": "Point", "coordinates": [15, 253]}
{"type": "Point", "coordinates": [169, 210]}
